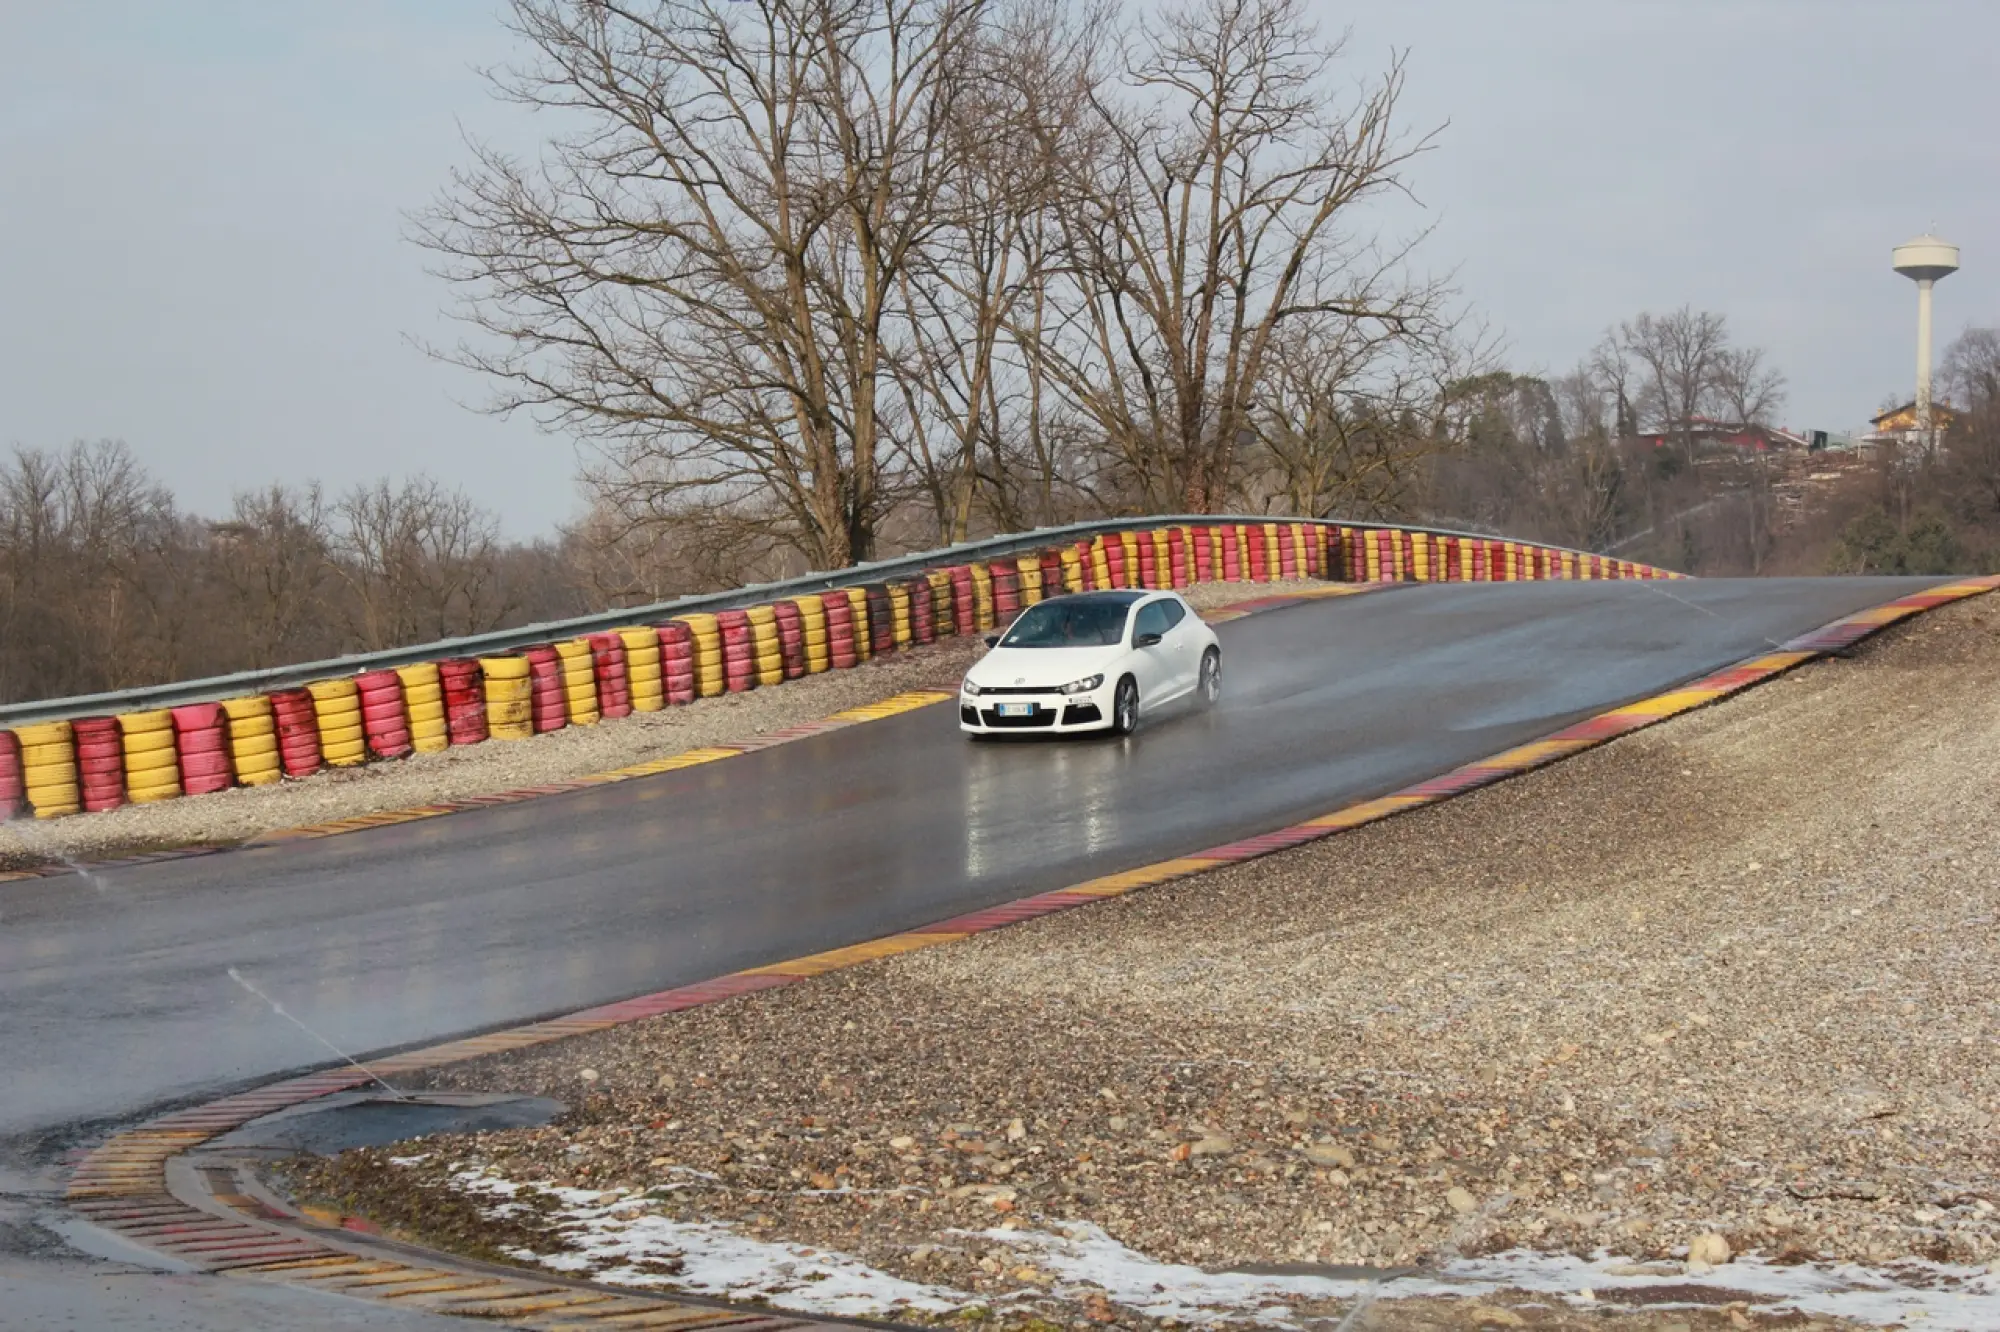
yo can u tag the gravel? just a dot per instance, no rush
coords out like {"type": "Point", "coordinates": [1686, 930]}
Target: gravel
{"type": "Point", "coordinates": [1725, 987]}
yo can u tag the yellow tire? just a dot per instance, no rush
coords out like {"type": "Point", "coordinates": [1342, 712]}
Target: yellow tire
{"type": "Point", "coordinates": [579, 677]}
{"type": "Point", "coordinates": [49, 769]}
{"type": "Point", "coordinates": [423, 703]}
{"type": "Point", "coordinates": [337, 705]}
{"type": "Point", "coordinates": [708, 681]}
{"type": "Point", "coordinates": [864, 633]}
{"type": "Point", "coordinates": [642, 668]}
{"type": "Point", "coordinates": [899, 615]}
{"type": "Point", "coordinates": [509, 694]}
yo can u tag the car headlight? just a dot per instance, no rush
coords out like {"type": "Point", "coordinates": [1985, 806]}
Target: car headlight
{"type": "Point", "coordinates": [967, 689]}
{"type": "Point", "coordinates": [1084, 685]}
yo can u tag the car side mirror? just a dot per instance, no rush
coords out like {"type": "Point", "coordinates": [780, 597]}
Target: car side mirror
{"type": "Point", "coordinates": [1146, 640]}
{"type": "Point", "coordinates": [992, 640]}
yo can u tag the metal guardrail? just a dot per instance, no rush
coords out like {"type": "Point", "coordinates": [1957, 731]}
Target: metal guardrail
{"type": "Point", "coordinates": [217, 687]}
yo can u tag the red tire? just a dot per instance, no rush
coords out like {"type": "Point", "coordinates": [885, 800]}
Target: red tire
{"type": "Point", "coordinates": [464, 686]}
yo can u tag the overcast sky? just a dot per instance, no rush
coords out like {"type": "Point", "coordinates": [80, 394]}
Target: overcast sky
{"type": "Point", "coordinates": [201, 208]}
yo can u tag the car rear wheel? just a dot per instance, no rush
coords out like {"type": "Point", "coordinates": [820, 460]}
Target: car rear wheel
{"type": "Point", "coordinates": [1125, 707]}
{"type": "Point", "coordinates": [1209, 689]}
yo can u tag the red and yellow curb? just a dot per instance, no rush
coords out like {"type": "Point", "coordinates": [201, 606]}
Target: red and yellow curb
{"type": "Point", "coordinates": [122, 1184]}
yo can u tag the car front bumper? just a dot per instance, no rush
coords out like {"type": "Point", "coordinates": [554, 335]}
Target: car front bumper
{"type": "Point", "coordinates": [1054, 714]}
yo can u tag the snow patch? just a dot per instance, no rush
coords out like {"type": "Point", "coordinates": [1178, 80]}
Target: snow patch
{"type": "Point", "coordinates": [617, 1239]}
{"type": "Point", "coordinates": [1946, 1296]}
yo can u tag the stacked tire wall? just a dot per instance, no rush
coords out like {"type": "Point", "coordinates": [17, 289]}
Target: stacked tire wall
{"type": "Point", "coordinates": [101, 763]}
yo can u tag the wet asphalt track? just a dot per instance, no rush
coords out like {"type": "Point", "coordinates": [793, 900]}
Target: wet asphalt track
{"type": "Point", "coordinates": [115, 997]}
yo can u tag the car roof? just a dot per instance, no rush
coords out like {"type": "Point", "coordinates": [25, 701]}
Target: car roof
{"type": "Point", "coordinates": [1110, 597]}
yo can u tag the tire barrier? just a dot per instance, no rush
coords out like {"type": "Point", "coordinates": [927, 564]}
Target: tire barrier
{"type": "Point", "coordinates": [1129, 543]}
{"type": "Point", "coordinates": [767, 645]}
{"type": "Point", "coordinates": [13, 793]}
{"type": "Point", "coordinates": [201, 738]}
{"type": "Point", "coordinates": [1255, 544]}
{"type": "Point", "coordinates": [343, 742]}
{"type": "Point", "coordinates": [983, 614]}
{"type": "Point", "coordinates": [881, 618]}
{"type": "Point", "coordinates": [608, 665]}
{"type": "Point", "coordinates": [253, 740]}
{"type": "Point", "coordinates": [1073, 565]}
{"type": "Point", "coordinates": [943, 602]}
{"type": "Point", "coordinates": [1148, 560]}
{"type": "Point", "coordinates": [48, 769]}
{"type": "Point", "coordinates": [298, 735]}
{"type": "Point", "coordinates": [708, 673]}
{"type": "Point", "coordinates": [1028, 578]}
{"type": "Point", "coordinates": [813, 631]}
{"type": "Point", "coordinates": [100, 763]}
{"type": "Point", "coordinates": [923, 611]}
{"type": "Point", "coordinates": [550, 707]}
{"type": "Point", "coordinates": [791, 638]}
{"type": "Point", "coordinates": [96, 763]}
{"type": "Point", "coordinates": [423, 700]}
{"type": "Point", "coordinates": [1103, 575]}
{"type": "Point", "coordinates": [1006, 583]}
{"type": "Point", "coordinates": [579, 681]}
{"type": "Point", "coordinates": [153, 761]}
{"type": "Point", "coordinates": [964, 606]}
{"type": "Point", "coordinates": [739, 662]}
{"type": "Point", "coordinates": [1050, 562]}
{"type": "Point", "coordinates": [857, 611]}
{"type": "Point", "coordinates": [643, 673]}
{"type": "Point", "coordinates": [507, 697]}
{"type": "Point", "coordinates": [901, 610]}
{"type": "Point", "coordinates": [385, 717]}
{"type": "Point", "coordinates": [463, 682]}
{"type": "Point", "coordinates": [677, 662]}
{"type": "Point", "coordinates": [841, 647]}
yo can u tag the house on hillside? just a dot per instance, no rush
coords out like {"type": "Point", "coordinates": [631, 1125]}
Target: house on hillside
{"type": "Point", "coordinates": [1712, 436]}
{"type": "Point", "coordinates": [1898, 425]}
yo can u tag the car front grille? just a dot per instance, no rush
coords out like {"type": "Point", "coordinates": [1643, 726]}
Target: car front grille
{"type": "Point", "coordinates": [987, 690]}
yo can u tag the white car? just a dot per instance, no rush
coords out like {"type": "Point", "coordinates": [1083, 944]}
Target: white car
{"type": "Point", "coordinates": [1091, 661]}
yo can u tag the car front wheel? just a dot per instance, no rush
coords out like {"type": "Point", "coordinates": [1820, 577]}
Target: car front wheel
{"type": "Point", "coordinates": [1125, 707]}
{"type": "Point", "coordinates": [1209, 688]}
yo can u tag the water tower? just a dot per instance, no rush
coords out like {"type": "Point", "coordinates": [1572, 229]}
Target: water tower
{"type": "Point", "coordinates": [1925, 260]}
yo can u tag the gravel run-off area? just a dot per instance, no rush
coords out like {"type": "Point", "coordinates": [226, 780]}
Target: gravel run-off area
{"type": "Point", "coordinates": [1702, 1013]}
{"type": "Point", "coordinates": [239, 814]}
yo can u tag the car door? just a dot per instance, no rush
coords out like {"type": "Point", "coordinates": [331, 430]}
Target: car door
{"type": "Point", "coordinates": [1152, 665]}
{"type": "Point", "coordinates": [1184, 652]}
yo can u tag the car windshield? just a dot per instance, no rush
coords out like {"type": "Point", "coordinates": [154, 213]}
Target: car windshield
{"type": "Point", "coordinates": [1055, 624]}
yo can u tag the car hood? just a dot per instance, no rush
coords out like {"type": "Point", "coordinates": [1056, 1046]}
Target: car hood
{"type": "Point", "coordinates": [1044, 668]}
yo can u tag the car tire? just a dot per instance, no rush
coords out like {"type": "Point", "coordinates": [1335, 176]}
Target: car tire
{"type": "Point", "coordinates": [1125, 707]}
{"type": "Point", "coordinates": [1208, 685]}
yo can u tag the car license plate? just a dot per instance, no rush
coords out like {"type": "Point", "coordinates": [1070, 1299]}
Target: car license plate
{"type": "Point", "coordinates": [1015, 709]}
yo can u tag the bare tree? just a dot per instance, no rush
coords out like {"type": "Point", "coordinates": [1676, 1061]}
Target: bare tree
{"type": "Point", "coordinates": [1354, 413]}
{"type": "Point", "coordinates": [1217, 214]}
{"type": "Point", "coordinates": [973, 300]}
{"type": "Point", "coordinates": [419, 562]}
{"type": "Point", "coordinates": [273, 557]}
{"type": "Point", "coordinates": [699, 278]}
{"type": "Point", "coordinates": [1749, 387]}
{"type": "Point", "coordinates": [1677, 361]}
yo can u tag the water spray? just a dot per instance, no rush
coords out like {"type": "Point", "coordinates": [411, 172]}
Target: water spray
{"type": "Point", "coordinates": [279, 1009]}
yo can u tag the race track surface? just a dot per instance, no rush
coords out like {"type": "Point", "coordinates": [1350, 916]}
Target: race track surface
{"type": "Point", "coordinates": [117, 996]}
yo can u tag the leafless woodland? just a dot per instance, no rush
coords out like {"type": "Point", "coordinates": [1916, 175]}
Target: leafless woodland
{"type": "Point", "coordinates": [819, 280]}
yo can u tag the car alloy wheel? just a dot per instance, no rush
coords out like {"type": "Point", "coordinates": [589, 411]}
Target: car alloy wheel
{"type": "Point", "coordinates": [1125, 707]}
{"type": "Point", "coordinates": [1211, 678]}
